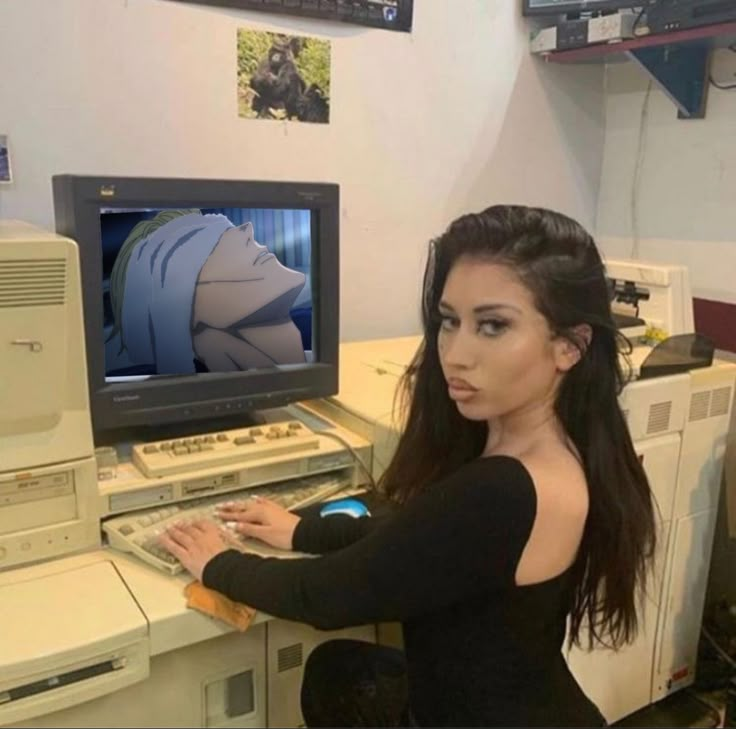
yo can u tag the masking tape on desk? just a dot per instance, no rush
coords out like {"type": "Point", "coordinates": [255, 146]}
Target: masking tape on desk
{"type": "Point", "coordinates": [218, 606]}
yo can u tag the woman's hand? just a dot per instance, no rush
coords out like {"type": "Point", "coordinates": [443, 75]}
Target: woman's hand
{"type": "Point", "coordinates": [194, 544]}
{"type": "Point", "coordinates": [261, 518]}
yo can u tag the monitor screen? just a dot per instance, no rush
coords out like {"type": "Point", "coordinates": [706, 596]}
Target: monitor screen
{"type": "Point", "coordinates": [554, 7]}
{"type": "Point", "coordinates": [203, 298]}
{"type": "Point", "coordinates": [205, 290]}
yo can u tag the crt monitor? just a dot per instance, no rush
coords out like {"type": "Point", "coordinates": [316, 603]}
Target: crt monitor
{"type": "Point", "coordinates": [203, 299]}
{"type": "Point", "coordinates": [554, 7]}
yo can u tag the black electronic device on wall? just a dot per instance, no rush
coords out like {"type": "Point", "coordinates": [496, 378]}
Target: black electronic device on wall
{"type": "Point", "coordinates": [669, 15]}
{"type": "Point", "coordinates": [385, 14]}
{"type": "Point", "coordinates": [555, 7]}
{"type": "Point", "coordinates": [572, 34]}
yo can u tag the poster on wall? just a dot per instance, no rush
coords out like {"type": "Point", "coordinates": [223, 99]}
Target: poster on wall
{"type": "Point", "coordinates": [384, 14]}
{"type": "Point", "coordinates": [283, 77]}
{"type": "Point", "coordinates": [6, 174]}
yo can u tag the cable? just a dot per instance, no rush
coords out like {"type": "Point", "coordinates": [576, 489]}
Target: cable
{"type": "Point", "coordinates": [636, 22]}
{"type": "Point", "coordinates": [354, 454]}
{"type": "Point", "coordinates": [723, 87]}
{"type": "Point", "coordinates": [731, 662]}
{"type": "Point", "coordinates": [715, 715]}
{"type": "Point", "coordinates": [638, 166]}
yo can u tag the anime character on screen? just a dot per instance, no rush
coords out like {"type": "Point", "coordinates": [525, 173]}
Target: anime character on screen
{"type": "Point", "coordinates": [193, 292]}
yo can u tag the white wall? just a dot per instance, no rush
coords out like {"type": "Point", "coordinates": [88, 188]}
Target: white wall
{"type": "Point", "coordinates": [424, 126]}
{"type": "Point", "coordinates": [686, 205]}
{"type": "Point", "coordinates": [687, 183]}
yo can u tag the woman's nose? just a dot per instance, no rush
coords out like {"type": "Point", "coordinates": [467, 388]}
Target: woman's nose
{"type": "Point", "coordinates": [459, 350]}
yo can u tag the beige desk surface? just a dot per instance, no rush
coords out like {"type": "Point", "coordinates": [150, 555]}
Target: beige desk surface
{"type": "Point", "coordinates": [160, 597]}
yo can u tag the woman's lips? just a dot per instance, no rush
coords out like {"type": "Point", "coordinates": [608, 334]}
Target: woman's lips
{"type": "Point", "coordinates": [460, 389]}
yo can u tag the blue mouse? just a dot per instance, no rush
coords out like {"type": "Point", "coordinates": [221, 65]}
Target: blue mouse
{"type": "Point", "coordinates": [351, 507]}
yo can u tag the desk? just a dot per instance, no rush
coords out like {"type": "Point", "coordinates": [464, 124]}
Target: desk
{"type": "Point", "coordinates": [192, 670]}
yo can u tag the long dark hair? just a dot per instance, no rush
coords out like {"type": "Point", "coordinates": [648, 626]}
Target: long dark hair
{"type": "Point", "coordinates": [559, 263]}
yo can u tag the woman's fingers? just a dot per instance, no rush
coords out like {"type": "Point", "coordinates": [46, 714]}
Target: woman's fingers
{"type": "Point", "coordinates": [180, 534]}
{"type": "Point", "coordinates": [254, 513]}
{"type": "Point", "coordinates": [250, 530]}
{"type": "Point", "coordinates": [233, 506]}
{"type": "Point", "coordinates": [169, 542]}
{"type": "Point", "coordinates": [254, 502]}
{"type": "Point", "coordinates": [183, 536]}
{"type": "Point", "coordinates": [202, 526]}
{"type": "Point", "coordinates": [265, 500]}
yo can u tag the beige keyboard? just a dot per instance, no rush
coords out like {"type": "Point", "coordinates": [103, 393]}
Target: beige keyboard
{"type": "Point", "coordinates": [138, 532]}
{"type": "Point", "coordinates": [168, 457]}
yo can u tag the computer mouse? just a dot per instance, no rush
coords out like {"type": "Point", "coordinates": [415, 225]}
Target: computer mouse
{"type": "Point", "coordinates": [351, 507]}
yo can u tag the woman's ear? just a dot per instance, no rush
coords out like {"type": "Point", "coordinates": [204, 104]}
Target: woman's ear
{"type": "Point", "coordinates": [570, 348]}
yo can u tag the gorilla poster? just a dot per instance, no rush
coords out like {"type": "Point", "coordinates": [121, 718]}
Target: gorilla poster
{"type": "Point", "coordinates": [5, 173]}
{"type": "Point", "coordinates": [284, 77]}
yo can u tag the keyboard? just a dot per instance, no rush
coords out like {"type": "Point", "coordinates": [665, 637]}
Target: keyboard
{"type": "Point", "coordinates": [169, 457]}
{"type": "Point", "coordinates": [138, 532]}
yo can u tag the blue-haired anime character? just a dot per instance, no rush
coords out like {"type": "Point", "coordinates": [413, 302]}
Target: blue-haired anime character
{"type": "Point", "coordinates": [194, 292]}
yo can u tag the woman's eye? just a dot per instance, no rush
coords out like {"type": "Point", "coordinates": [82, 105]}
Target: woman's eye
{"type": "Point", "coordinates": [492, 327]}
{"type": "Point", "coordinates": [448, 323]}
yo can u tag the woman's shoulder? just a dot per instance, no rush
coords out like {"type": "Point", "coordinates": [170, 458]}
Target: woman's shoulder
{"type": "Point", "coordinates": [562, 509]}
{"type": "Point", "coordinates": [499, 468]}
{"type": "Point", "coordinates": [549, 480]}
{"type": "Point", "coordinates": [503, 482]}
{"type": "Point", "coordinates": [559, 480]}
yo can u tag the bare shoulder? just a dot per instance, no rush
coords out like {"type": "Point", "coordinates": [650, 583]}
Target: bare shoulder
{"type": "Point", "coordinates": [562, 508]}
{"type": "Point", "coordinates": [559, 480]}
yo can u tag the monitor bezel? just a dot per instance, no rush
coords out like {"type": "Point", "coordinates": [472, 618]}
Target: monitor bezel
{"type": "Point", "coordinates": [160, 401]}
{"type": "Point", "coordinates": [577, 7]}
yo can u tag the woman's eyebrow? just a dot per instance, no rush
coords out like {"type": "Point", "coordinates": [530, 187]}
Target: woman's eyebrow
{"type": "Point", "coordinates": [483, 308]}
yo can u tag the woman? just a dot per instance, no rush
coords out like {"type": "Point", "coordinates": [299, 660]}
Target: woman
{"type": "Point", "coordinates": [522, 501]}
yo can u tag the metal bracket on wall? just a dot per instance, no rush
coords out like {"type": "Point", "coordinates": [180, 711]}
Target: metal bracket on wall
{"type": "Point", "coordinates": [679, 60]}
{"type": "Point", "coordinates": [681, 71]}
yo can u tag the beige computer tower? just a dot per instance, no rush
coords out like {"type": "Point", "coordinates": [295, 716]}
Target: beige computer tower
{"type": "Point", "coordinates": [48, 478]}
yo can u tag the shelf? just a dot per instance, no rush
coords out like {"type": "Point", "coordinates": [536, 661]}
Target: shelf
{"type": "Point", "coordinates": [677, 61]}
